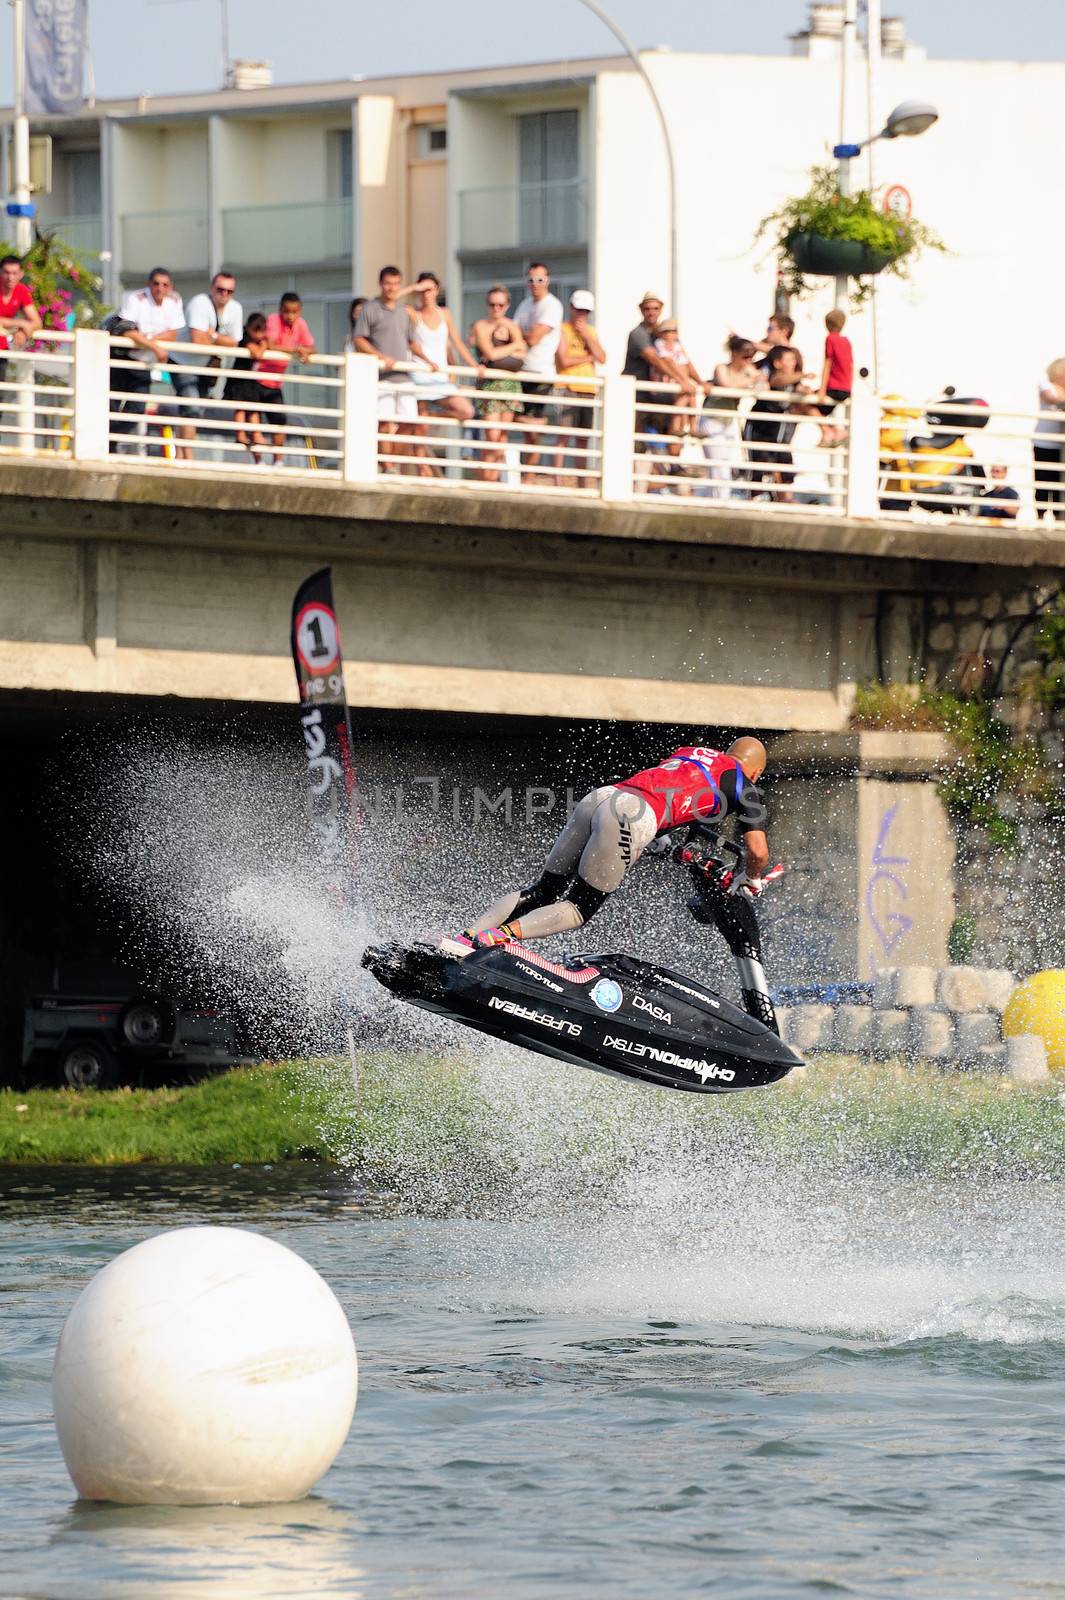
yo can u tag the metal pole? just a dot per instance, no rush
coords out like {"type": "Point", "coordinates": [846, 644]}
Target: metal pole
{"type": "Point", "coordinates": [20, 140]}
{"type": "Point", "coordinates": [873, 127]}
{"type": "Point", "coordinates": [225, 43]}
{"type": "Point", "coordinates": [846, 55]}
{"type": "Point", "coordinates": [634, 56]}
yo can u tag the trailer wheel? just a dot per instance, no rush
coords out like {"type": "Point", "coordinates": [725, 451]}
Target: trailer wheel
{"type": "Point", "coordinates": [147, 1023]}
{"type": "Point", "coordinates": [85, 1064]}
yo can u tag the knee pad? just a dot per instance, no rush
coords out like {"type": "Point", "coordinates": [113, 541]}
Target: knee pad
{"type": "Point", "coordinates": [548, 888]}
{"type": "Point", "coordinates": [585, 899]}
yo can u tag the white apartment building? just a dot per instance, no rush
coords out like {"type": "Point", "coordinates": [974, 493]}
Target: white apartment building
{"type": "Point", "coordinates": [474, 174]}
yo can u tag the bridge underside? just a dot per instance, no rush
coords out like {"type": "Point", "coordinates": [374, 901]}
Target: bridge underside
{"type": "Point", "coordinates": [132, 582]}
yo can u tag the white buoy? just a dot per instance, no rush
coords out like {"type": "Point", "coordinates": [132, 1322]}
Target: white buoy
{"type": "Point", "coordinates": [204, 1366]}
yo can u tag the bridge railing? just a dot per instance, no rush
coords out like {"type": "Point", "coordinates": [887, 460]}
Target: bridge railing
{"type": "Point", "coordinates": [764, 449]}
{"type": "Point", "coordinates": [490, 427]}
{"type": "Point", "coordinates": [464, 430]}
{"type": "Point", "coordinates": [956, 458]}
{"type": "Point", "coordinates": [198, 408]}
{"type": "Point", "coordinates": [37, 397]}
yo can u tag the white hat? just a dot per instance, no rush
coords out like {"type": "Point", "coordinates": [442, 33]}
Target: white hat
{"type": "Point", "coordinates": [582, 300]}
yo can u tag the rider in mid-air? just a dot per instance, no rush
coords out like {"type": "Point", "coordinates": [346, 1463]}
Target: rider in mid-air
{"type": "Point", "coordinates": [611, 828]}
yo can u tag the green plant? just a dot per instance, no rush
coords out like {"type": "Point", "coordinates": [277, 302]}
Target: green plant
{"type": "Point", "coordinates": [988, 764]}
{"type": "Point", "coordinates": [857, 217]}
{"type": "Point", "coordinates": [1049, 686]}
{"type": "Point", "coordinates": [64, 283]}
{"type": "Point", "coordinates": [961, 940]}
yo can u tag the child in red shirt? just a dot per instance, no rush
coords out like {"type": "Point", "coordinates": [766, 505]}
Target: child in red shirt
{"type": "Point", "coordinates": [837, 374]}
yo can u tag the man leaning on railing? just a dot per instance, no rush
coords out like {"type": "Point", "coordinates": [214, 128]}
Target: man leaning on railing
{"type": "Point", "coordinates": [153, 316]}
{"type": "Point", "coordinates": [387, 330]}
{"type": "Point", "coordinates": [218, 320]}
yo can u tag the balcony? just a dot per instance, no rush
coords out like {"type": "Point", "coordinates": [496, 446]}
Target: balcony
{"type": "Point", "coordinates": [176, 240]}
{"type": "Point", "coordinates": [80, 233]}
{"type": "Point", "coordinates": [527, 216]}
{"type": "Point", "coordinates": [303, 234]}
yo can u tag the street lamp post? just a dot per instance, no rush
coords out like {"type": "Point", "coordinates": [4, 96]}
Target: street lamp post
{"type": "Point", "coordinates": [634, 56]}
{"type": "Point", "coordinates": [19, 206]}
{"type": "Point", "coordinates": [909, 118]}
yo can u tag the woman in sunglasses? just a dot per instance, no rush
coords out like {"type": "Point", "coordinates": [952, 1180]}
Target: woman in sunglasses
{"type": "Point", "coordinates": [500, 344]}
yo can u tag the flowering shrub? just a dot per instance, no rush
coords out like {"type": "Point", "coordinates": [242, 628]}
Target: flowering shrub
{"type": "Point", "coordinates": [858, 218]}
{"type": "Point", "coordinates": [64, 284]}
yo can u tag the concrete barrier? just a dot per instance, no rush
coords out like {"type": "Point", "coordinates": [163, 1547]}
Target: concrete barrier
{"type": "Point", "coordinates": [951, 1017]}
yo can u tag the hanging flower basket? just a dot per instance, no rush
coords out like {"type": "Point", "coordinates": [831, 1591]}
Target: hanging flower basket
{"type": "Point", "coordinates": [813, 253]}
{"type": "Point", "coordinates": [824, 233]}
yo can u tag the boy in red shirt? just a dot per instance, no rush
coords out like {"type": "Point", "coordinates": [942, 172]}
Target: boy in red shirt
{"type": "Point", "coordinates": [837, 374]}
{"type": "Point", "coordinates": [285, 330]}
{"type": "Point", "coordinates": [19, 317]}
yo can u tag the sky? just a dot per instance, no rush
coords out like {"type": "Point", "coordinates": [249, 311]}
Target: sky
{"type": "Point", "coordinates": [168, 46]}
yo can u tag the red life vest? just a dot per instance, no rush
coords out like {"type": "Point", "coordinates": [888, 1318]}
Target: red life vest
{"type": "Point", "coordinates": [686, 787]}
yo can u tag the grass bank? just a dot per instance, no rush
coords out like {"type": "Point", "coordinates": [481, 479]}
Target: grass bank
{"type": "Point", "coordinates": [416, 1115]}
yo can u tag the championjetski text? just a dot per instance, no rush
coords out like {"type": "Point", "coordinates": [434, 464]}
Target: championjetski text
{"type": "Point", "coordinates": [666, 1058]}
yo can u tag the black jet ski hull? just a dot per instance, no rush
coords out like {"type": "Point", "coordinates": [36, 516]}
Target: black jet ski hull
{"type": "Point", "coordinates": [611, 1013]}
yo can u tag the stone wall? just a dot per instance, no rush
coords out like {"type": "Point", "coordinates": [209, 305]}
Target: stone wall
{"type": "Point", "coordinates": [1013, 904]}
{"type": "Point", "coordinates": [951, 1017]}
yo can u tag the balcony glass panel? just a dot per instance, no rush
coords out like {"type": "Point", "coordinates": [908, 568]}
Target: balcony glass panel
{"type": "Point", "coordinates": [173, 239]}
{"type": "Point", "coordinates": [530, 216]}
{"type": "Point", "coordinates": [80, 233]}
{"type": "Point", "coordinates": [287, 235]}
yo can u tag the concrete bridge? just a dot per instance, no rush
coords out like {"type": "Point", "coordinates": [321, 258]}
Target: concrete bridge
{"type": "Point", "coordinates": [130, 584]}
{"type": "Point", "coordinates": [132, 581]}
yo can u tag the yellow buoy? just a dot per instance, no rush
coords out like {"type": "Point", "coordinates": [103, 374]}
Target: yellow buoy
{"type": "Point", "coordinates": [1038, 1006]}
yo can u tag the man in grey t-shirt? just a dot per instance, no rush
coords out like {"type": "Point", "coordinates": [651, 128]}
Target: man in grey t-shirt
{"type": "Point", "coordinates": [387, 330]}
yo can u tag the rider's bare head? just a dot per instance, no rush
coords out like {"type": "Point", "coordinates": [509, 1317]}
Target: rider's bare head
{"type": "Point", "coordinates": [750, 753]}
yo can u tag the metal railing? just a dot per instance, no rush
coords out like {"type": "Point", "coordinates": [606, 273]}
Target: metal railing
{"type": "Point", "coordinates": [536, 215]}
{"type": "Point", "coordinates": [485, 426]}
{"type": "Point", "coordinates": [287, 235]}
{"type": "Point", "coordinates": [177, 237]}
{"type": "Point", "coordinates": [959, 459]}
{"type": "Point", "coordinates": [185, 402]}
{"type": "Point", "coordinates": [37, 397]}
{"type": "Point", "coordinates": [488, 431]}
{"type": "Point", "coordinates": [81, 233]}
{"type": "Point", "coordinates": [758, 448]}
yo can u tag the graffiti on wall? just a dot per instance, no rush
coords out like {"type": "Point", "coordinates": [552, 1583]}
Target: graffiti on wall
{"type": "Point", "coordinates": [887, 894]}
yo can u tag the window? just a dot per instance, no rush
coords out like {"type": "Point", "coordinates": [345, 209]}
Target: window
{"type": "Point", "coordinates": [340, 163]}
{"type": "Point", "coordinates": [83, 179]}
{"type": "Point", "coordinates": [432, 141]}
{"type": "Point", "coordinates": [549, 201]}
{"type": "Point", "coordinates": [548, 149]}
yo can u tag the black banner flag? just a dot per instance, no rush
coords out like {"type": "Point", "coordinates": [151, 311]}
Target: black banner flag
{"type": "Point", "coordinates": [326, 724]}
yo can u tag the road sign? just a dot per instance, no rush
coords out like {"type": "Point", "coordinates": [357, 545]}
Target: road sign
{"type": "Point", "coordinates": [897, 203]}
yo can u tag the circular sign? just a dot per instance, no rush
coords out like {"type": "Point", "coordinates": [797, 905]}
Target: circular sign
{"type": "Point", "coordinates": [897, 202]}
{"type": "Point", "coordinates": [607, 994]}
{"type": "Point", "coordinates": [317, 639]}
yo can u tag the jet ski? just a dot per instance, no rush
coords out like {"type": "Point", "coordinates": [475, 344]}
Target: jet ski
{"type": "Point", "coordinates": [612, 1013]}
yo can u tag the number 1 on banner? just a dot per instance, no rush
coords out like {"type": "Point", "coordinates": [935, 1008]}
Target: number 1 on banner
{"type": "Point", "coordinates": [317, 639]}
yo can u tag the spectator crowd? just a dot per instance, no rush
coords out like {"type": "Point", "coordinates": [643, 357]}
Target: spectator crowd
{"type": "Point", "coordinates": [757, 425]}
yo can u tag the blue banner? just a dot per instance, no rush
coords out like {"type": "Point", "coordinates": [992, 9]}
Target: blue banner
{"type": "Point", "coordinates": [56, 32]}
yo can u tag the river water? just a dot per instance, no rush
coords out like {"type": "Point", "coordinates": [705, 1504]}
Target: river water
{"type": "Point", "coordinates": [762, 1384]}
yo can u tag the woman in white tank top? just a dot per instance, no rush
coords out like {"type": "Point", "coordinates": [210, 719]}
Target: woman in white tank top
{"type": "Point", "coordinates": [437, 338]}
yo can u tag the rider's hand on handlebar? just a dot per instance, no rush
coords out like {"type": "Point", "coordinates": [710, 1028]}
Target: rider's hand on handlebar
{"type": "Point", "coordinates": [742, 884]}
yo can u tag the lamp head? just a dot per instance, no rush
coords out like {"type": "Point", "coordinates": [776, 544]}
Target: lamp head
{"type": "Point", "coordinates": [909, 118]}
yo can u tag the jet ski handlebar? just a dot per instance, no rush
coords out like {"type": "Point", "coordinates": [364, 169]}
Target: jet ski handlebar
{"type": "Point", "coordinates": [712, 855]}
